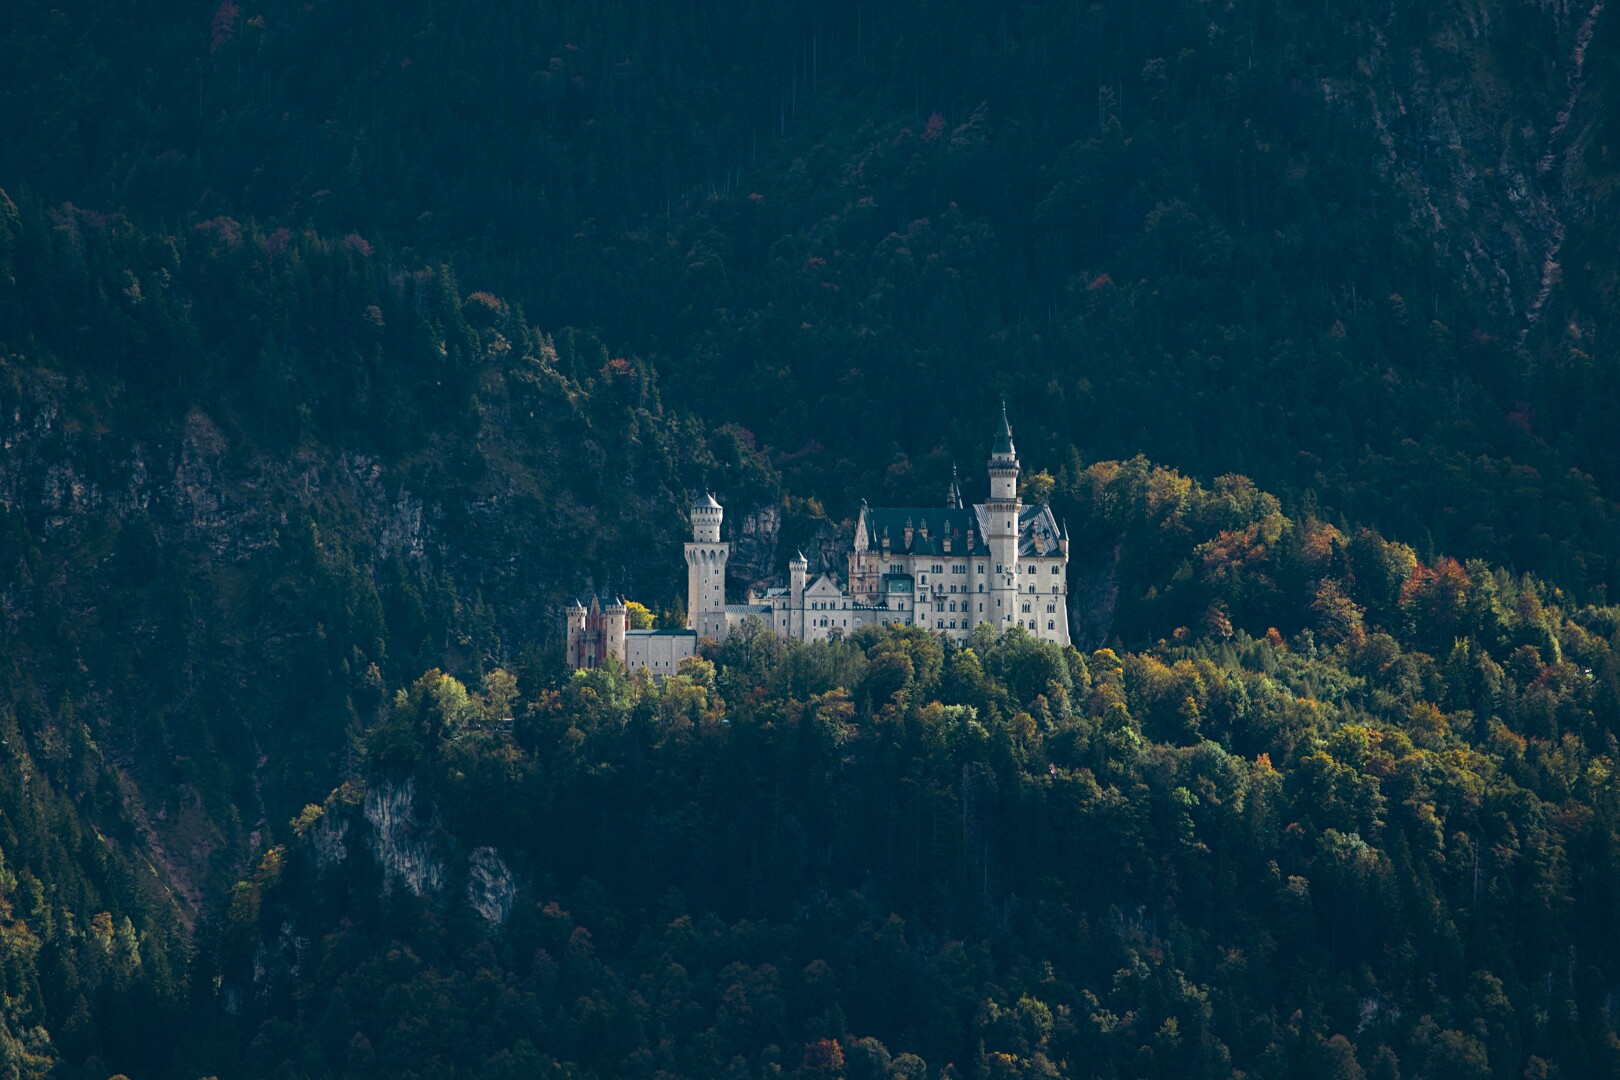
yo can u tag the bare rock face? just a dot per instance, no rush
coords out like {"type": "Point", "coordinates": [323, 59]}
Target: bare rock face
{"type": "Point", "coordinates": [491, 885]}
{"type": "Point", "coordinates": [757, 557]}
{"type": "Point", "coordinates": [753, 549]}
{"type": "Point", "coordinates": [329, 839]}
{"type": "Point", "coordinates": [405, 847]}
{"type": "Point", "coordinates": [1093, 594]}
{"type": "Point", "coordinates": [1489, 154]}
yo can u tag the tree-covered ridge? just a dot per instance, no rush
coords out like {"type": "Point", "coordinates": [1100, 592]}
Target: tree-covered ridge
{"type": "Point", "coordinates": [1381, 844]}
{"type": "Point", "coordinates": [250, 478]}
{"type": "Point", "coordinates": [342, 341]}
{"type": "Point", "coordinates": [93, 950]}
{"type": "Point", "coordinates": [1308, 249]}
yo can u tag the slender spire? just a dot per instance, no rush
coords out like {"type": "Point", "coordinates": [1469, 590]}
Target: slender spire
{"type": "Point", "coordinates": [953, 498]}
{"type": "Point", "coordinates": [1003, 443]}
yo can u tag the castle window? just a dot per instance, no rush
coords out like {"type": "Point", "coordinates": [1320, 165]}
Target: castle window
{"type": "Point", "coordinates": [1032, 588]}
{"type": "Point", "coordinates": [958, 568]}
{"type": "Point", "coordinates": [937, 568]}
{"type": "Point", "coordinates": [1026, 609]}
{"type": "Point", "coordinates": [1050, 625]}
{"type": "Point", "coordinates": [1054, 590]}
{"type": "Point", "coordinates": [981, 605]}
{"type": "Point", "coordinates": [953, 624]}
{"type": "Point", "coordinates": [998, 568]}
{"type": "Point", "coordinates": [1054, 569]}
{"type": "Point", "coordinates": [1050, 608]}
{"type": "Point", "coordinates": [981, 568]}
{"type": "Point", "coordinates": [939, 624]}
{"type": "Point", "coordinates": [1029, 569]}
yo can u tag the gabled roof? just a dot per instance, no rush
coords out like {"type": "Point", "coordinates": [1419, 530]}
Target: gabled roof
{"type": "Point", "coordinates": [1038, 532]}
{"type": "Point", "coordinates": [824, 583]}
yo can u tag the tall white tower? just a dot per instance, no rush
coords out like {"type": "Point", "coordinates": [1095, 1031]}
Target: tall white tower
{"type": "Point", "coordinates": [706, 559]}
{"type": "Point", "coordinates": [1001, 527]}
{"type": "Point", "coordinates": [798, 574]}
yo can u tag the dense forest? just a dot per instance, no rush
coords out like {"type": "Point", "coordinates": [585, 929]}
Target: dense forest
{"type": "Point", "coordinates": [341, 343]}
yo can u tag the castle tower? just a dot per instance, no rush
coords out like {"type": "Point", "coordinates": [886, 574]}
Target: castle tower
{"type": "Point", "coordinates": [576, 635]}
{"type": "Point", "coordinates": [706, 559]}
{"type": "Point", "coordinates": [1001, 526]}
{"type": "Point", "coordinates": [615, 621]}
{"type": "Point", "coordinates": [798, 574]}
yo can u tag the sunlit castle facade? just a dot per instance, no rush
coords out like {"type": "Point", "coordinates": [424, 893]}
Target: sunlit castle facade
{"type": "Point", "coordinates": [603, 630]}
{"type": "Point", "coordinates": [944, 568]}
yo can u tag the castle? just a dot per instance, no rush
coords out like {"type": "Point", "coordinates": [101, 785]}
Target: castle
{"type": "Point", "coordinates": [945, 568]}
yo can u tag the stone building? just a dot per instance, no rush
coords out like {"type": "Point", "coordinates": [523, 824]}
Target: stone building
{"type": "Point", "coordinates": [600, 631]}
{"type": "Point", "coordinates": [945, 568]}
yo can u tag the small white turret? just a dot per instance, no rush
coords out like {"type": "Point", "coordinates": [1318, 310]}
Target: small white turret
{"type": "Point", "coordinates": [706, 517]}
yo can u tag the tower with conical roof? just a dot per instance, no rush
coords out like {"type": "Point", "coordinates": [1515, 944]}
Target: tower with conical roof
{"type": "Point", "coordinates": [798, 577]}
{"type": "Point", "coordinates": [706, 556]}
{"type": "Point", "coordinates": [1001, 525]}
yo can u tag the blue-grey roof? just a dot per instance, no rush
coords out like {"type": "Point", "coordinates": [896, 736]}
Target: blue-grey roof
{"type": "Point", "coordinates": [940, 520]}
{"type": "Point", "coordinates": [1003, 441]}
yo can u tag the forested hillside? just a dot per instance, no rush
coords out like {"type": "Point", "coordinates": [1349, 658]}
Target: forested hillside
{"type": "Point", "coordinates": [342, 342]}
{"type": "Point", "coordinates": [1309, 245]}
{"type": "Point", "coordinates": [1383, 844]}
